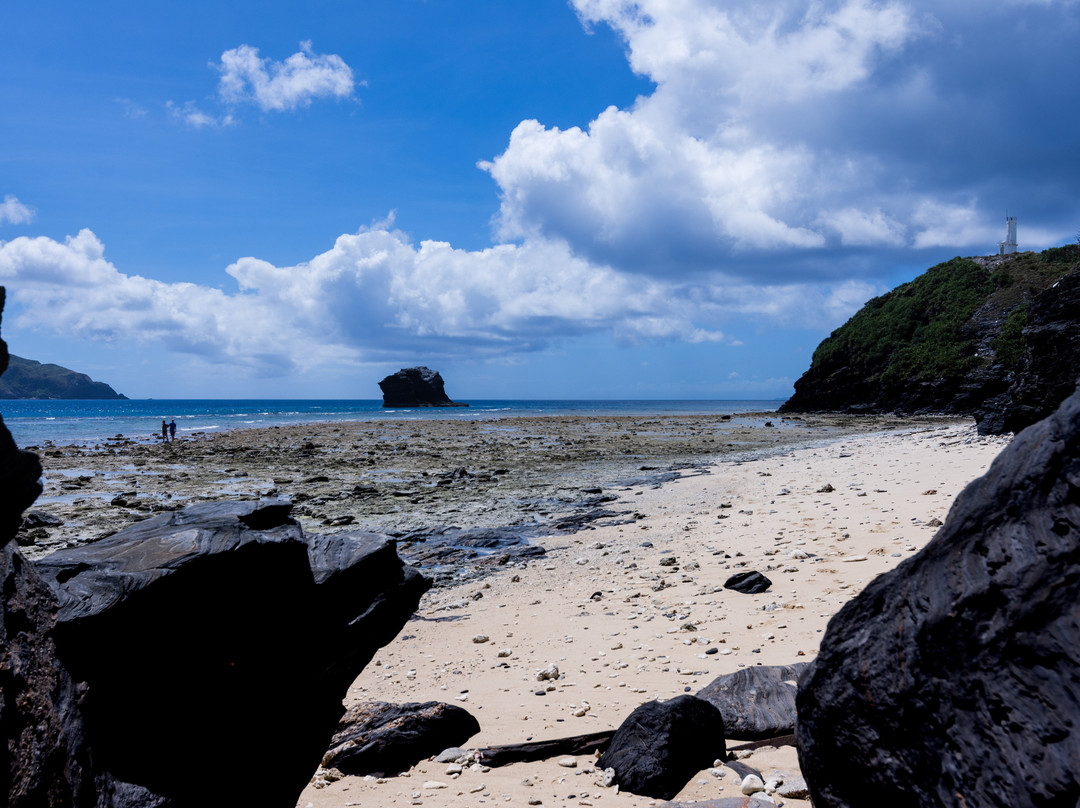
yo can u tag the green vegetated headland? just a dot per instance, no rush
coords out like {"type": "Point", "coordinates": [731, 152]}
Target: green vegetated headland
{"type": "Point", "coordinates": [946, 341]}
{"type": "Point", "coordinates": [26, 378]}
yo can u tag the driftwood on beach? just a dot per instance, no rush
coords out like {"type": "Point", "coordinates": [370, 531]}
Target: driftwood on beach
{"type": "Point", "coordinates": [585, 744]}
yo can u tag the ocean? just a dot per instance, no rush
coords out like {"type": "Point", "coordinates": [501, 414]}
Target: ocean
{"type": "Point", "coordinates": [36, 423]}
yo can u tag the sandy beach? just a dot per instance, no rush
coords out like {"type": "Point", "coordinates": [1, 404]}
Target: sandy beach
{"type": "Point", "coordinates": [630, 608]}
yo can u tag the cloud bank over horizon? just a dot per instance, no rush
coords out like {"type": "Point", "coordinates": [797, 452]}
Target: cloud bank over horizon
{"type": "Point", "coordinates": [787, 158]}
{"type": "Point", "coordinates": [375, 296]}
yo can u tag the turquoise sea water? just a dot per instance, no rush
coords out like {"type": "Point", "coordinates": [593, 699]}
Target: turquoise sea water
{"type": "Point", "coordinates": [33, 423]}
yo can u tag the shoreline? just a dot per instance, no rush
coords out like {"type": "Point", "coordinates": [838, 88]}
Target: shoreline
{"type": "Point", "coordinates": [44, 423]}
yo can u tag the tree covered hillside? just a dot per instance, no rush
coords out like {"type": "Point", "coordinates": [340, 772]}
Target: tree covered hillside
{"type": "Point", "coordinates": [26, 378]}
{"type": "Point", "coordinates": [951, 340]}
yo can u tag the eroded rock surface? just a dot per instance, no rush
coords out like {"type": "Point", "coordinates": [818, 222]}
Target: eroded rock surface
{"type": "Point", "coordinates": [757, 702]}
{"type": "Point", "coordinates": [378, 737]}
{"type": "Point", "coordinates": [219, 639]}
{"type": "Point", "coordinates": [955, 679]}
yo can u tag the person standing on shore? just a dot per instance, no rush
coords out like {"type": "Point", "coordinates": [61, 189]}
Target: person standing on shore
{"type": "Point", "coordinates": [164, 431]}
{"type": "Point", "coordinates": [172, 429]}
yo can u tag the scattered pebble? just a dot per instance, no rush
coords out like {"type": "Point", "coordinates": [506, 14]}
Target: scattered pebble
{"type": "Point", "coordinates": [751, 784]}
{"type": "Point", "coordinates": [550, 672]}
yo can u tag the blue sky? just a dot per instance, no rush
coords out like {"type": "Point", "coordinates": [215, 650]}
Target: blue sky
{"type": "Point", "coordinates": [539, 198]}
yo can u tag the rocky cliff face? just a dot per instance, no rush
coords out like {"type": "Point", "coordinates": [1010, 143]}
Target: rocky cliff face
{"type": "Point", "coordinates": [44, 757]}
{"type": "Point", "coordinates": [997, 338]}
{"type": "Point", "coordinates": [26, 378]}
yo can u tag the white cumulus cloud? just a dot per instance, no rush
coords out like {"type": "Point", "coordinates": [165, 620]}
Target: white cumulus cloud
{"type": "Point", "coordinates": [943, 224]}
{"type": "Point", "coordinates": [14, 211]}
{"type": "Point", "coordinates": [697, 174]}
{"type": "Point", "coordinates": [375, 295]}
{"type": "Point", "coordinates": [281, 86]}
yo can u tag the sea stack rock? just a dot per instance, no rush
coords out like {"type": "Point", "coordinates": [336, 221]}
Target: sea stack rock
{"type": "Point", "coordinates": [955, 678]}
{"type": "Point", "coordinates": [415, 387]}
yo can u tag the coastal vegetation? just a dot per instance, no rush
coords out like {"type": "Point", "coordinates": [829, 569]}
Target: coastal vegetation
{"type": "Point", "coordinates": [920, 330]}
{"type": "Point", "coordinates": [26, 378]}
{"type": "Point", "coordinates": [952, 339]}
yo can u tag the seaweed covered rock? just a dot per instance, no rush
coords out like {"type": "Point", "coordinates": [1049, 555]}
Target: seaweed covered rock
{"type": "Point", "coordinates": [955, 678]}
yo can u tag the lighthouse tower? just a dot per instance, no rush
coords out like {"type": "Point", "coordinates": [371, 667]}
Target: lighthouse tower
{"type": "Point", "coordinates": [1008, 246]}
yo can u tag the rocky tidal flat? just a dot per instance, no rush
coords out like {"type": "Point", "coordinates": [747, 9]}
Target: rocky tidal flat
{"type": "Point", "coordinates": [406, 478]}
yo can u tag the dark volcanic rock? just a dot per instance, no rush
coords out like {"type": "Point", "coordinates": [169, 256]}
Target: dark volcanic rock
{"type": "Point", "coordinates": [218, 641]}
{"type": "Point", "coordinates": [45, 761]}
{"type": "Point", "coordinates": [955, 679]}
{"type": "Point", "coordinates": [378, 737]}
{"type": "Point", "coordinates": [749, 583]}
{"type": "Point", "coordinates": [20, 471]}
{"type": "Point", "coordinates": [40, 519]}
{"type": "Point", "coordinates": [1049, 367]}
{"type": "Point", "coordinates": [415, 387]}
{"type": "Point", "coordinates": [661, 745]}
{"type": "Point", "coordinates": [44, 758]}
{"type": "Point", "coordinates": [757, 702]}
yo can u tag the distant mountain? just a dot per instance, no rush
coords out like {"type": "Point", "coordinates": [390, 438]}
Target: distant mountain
{"type": "Point", "coordinates": [995, 337]}
{"type": "Point", "coordinates": [26, 378]}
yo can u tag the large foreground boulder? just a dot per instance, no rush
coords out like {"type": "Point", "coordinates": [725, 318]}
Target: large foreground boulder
{"type": "Point", "coordinates": [217, 643]}
{"type": "Point", "coordinates": [955, 679]}
{"type": "Point", "coordinates": [661, 745]}
{"type": "Point", "coordinates": [415, 387]}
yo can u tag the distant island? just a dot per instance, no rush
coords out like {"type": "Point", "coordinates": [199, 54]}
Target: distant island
{"type": "Point", "coordinates": [26, 378]}
{"type": "Point", "coordinates": [415, 387]}
{"type": "Point", "coordinates": [995, 337]}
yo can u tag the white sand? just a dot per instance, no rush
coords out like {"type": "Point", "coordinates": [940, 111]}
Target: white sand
{"type": "Point", "coordinates": [633, 644]}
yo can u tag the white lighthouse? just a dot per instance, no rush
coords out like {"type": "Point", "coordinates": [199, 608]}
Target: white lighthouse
{"type": "Point", "coordinates": [1008, 246]}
